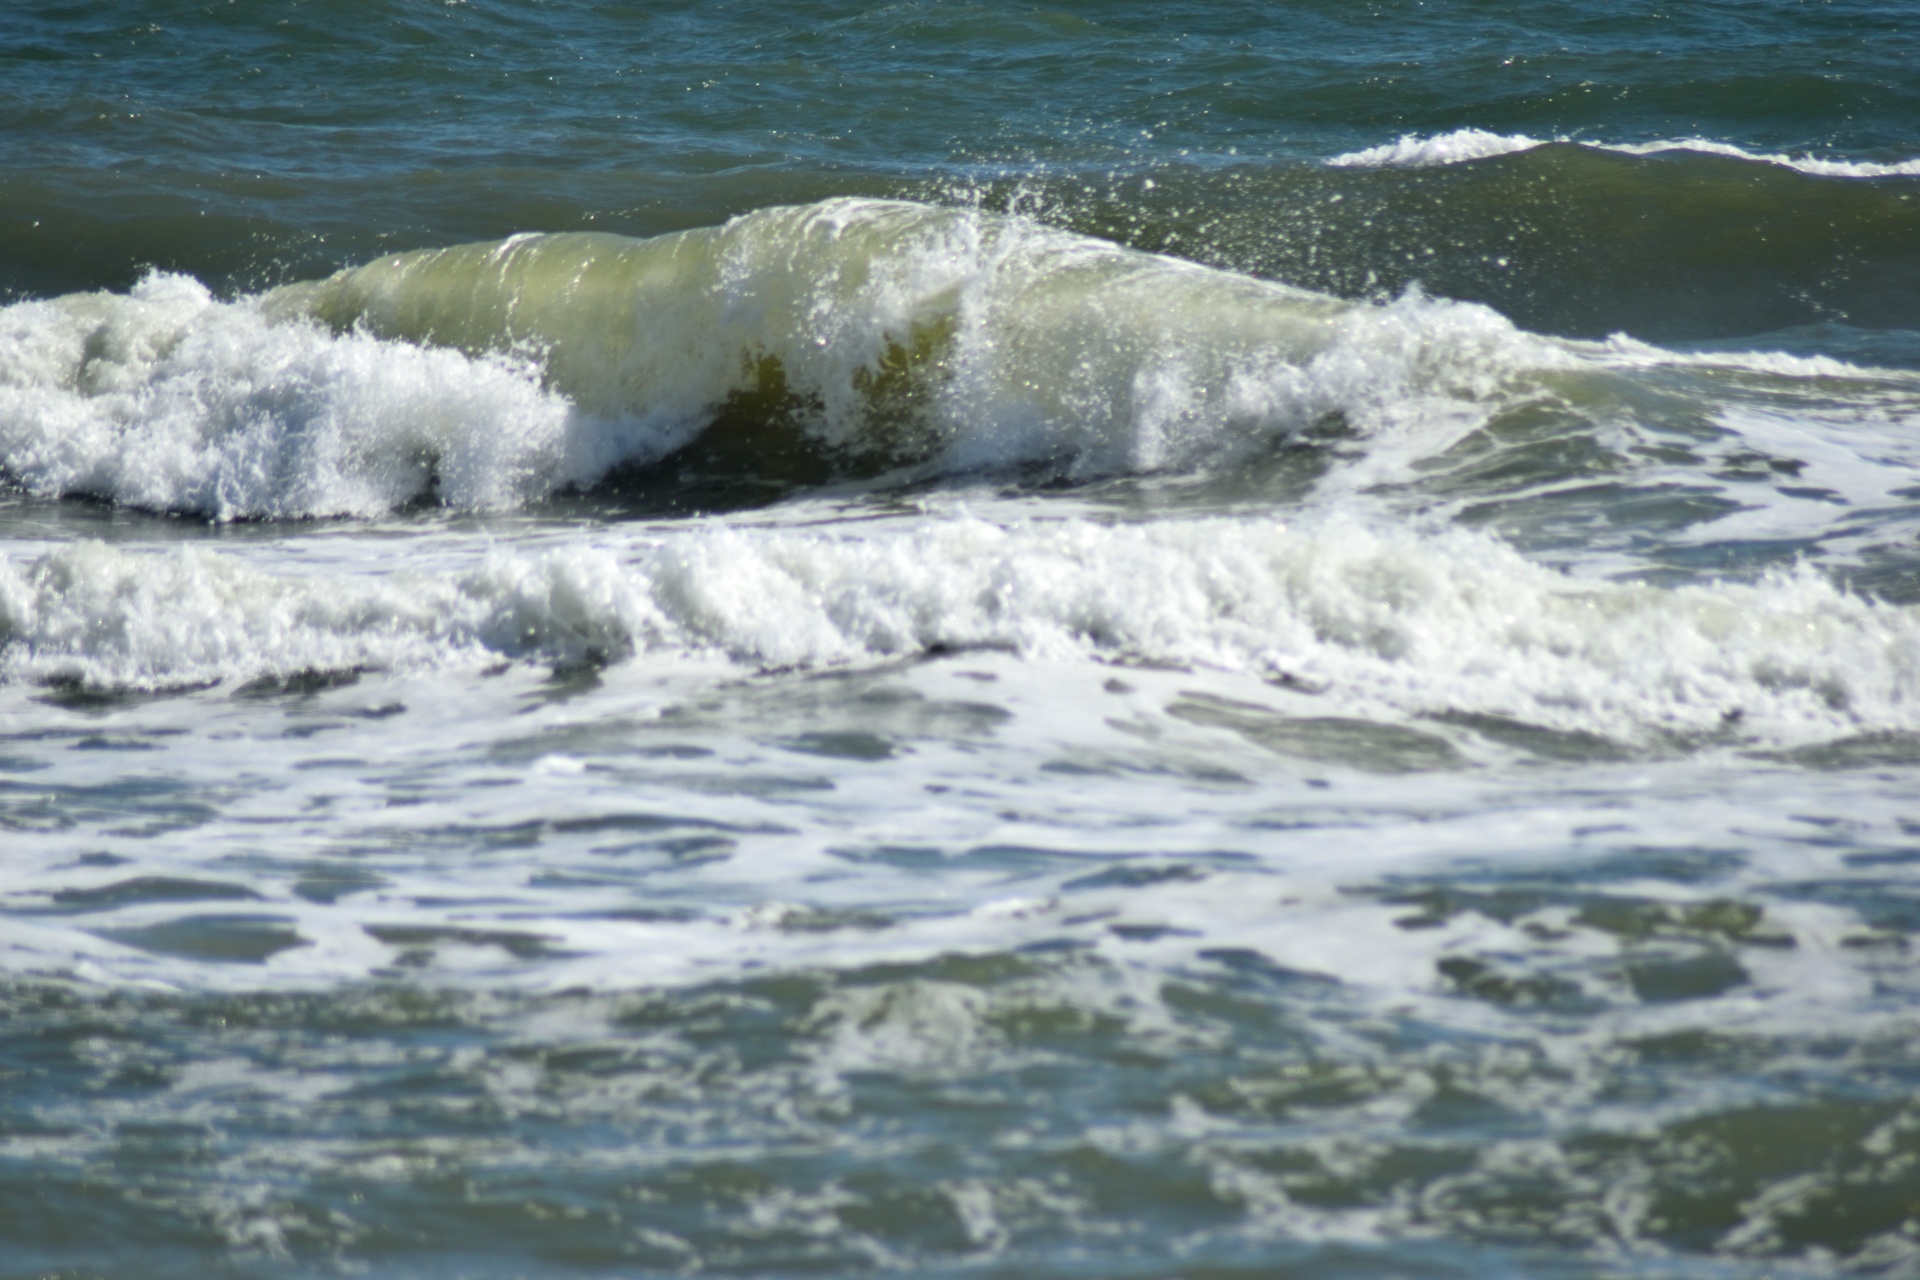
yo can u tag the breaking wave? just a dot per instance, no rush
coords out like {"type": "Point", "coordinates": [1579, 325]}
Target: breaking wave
{"type": "Point", "coordinates": [857, 336]}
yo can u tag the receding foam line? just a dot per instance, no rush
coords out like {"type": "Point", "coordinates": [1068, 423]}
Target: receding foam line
{"type": "Point", "coordinates": [1412, 151]}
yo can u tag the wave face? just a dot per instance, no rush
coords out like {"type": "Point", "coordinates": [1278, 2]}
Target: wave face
{"type": "Point", "coordinates": [901, 333]}
{"type": "Point", "coordinates": [1390, 628]}
{"type": "Point", "coordinates": [848, 336]}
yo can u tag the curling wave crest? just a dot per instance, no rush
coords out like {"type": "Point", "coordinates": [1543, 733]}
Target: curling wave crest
{"type": "Point", "coordinates": [866, 335]}
{"type": "Point", "coordinates": [1382, 626]}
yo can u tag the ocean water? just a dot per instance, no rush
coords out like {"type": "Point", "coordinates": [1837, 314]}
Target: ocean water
{"type": "Point", "coordinates": [1194, 640]}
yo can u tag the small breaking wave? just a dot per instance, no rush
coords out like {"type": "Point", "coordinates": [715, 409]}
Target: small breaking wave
{"type": "Point", "coordinates": [1413, 151]}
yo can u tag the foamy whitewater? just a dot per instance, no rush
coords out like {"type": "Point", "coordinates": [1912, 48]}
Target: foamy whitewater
{"type": "Point", "coordinates": [878, 348]}
{"type": "Point", "coordinates": [1116, 643]}
{"type": "Point", "coordinates": [1389, 628]}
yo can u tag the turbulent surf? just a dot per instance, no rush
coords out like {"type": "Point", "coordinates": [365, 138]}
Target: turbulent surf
{"type": "Point", "coordinates": [1135, 641]}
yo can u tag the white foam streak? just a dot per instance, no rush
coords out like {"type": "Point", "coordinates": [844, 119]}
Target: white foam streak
{"type": "Point", "coordinates": [1412, 151]}
{"type": "Point", "coordinates": [1391, 626]}
{"type": "Point", "coordinates": [1808, 164]}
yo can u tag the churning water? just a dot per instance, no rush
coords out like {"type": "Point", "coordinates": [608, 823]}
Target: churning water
{"type": "Point", "coordinates": [1192, 640]}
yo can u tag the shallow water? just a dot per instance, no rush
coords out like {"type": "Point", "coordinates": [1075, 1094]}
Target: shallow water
{"type": "Point", "coordinates": [1154, 641]}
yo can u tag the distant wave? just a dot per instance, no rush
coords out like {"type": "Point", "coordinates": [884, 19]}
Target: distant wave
{"type": "Point", "coordinates": [1412, 151]}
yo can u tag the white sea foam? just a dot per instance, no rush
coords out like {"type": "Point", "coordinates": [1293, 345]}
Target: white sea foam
{"type": "Point", "coordinates": [1621, 351]}
{"type": "Point", "coordinates": [167, 399]}
{"type": "Point", "coordinates": [958, 841]}
{"type": "Point", "coordinates": [1411, 151]}
{"type": "Point", "coordinates": [1392, 626]}
{"type": "Point", "coordinates": [1103, 695]}
{"type": "Point", "coordinates": [488, 375]}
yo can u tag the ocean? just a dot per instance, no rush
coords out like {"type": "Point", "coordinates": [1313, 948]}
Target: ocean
{"type": "Point", "coordinates": [1176, 641]}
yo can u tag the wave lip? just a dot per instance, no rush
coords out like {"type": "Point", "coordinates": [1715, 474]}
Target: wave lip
{"type": "Point", "coordinates": [1413, 151]}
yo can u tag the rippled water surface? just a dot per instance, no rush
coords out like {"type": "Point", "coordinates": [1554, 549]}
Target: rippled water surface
{"type": "Point", "coordinates": [1197, 640]}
